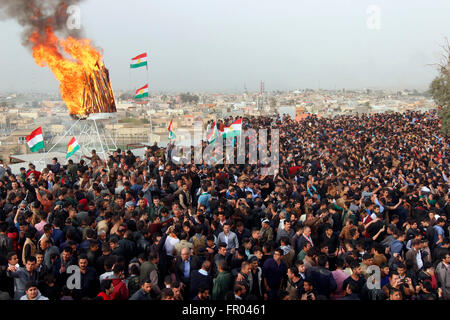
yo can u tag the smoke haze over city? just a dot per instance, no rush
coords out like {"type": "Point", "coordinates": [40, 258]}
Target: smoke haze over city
{"type": "Point", "coordinates": [222, 46]}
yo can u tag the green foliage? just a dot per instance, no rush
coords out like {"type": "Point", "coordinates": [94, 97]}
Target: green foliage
{"type": "Point", "coordinates": [126, 96]}
{"type": "Point", "coordinates": [135, 121]}
{"type": "Point", "coordinates": [188, 98]}
{"type": "Point", "coordinates": [440, 91]}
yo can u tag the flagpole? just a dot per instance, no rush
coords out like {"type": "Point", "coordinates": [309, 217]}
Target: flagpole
{"type": "Point", "coordinates": [148, 101]}
{"type": "Point", "coordinates": [170, 128]}
{"type": "Point", "coordinates": [101, 143]}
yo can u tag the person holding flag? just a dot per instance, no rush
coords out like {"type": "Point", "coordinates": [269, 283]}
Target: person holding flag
{"type": "Point", "coordinates": [72, 147]}
{"type": "Point", "coordinates": [213, 134]}
{"type": "Point", "coordinates": [171, 133]}
{"type": "Point", "coordinates": [234, 130]}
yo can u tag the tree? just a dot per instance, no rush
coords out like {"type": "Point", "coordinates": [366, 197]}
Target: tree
{"type": "Point", "coordinates": [126, 96]}
{"type": "Point", "coordinates": [189, 98]}
{"type": "Point", "coordinates": [440, 90]}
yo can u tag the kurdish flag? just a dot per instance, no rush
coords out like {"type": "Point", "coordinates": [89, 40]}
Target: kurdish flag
{"type": "Point", "coordinates": [212, 136]}
{"type": "Point", "coordinates": [233, 130]}
{"type": "Point", "coordinates": [72, 147]}
{"type": "Point", "coordinates": [142, 92]}
{"type": "Point", "coordinates": [171, 133]}
{"type": "Point", "coordinates": [139, 61]}
{"type": "Point", "coordinates": [36, 140]}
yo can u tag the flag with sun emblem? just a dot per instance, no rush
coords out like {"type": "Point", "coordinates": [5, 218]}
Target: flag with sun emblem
{"type": "Point", "coordinates": [139, 61]}
{"type": "Point", "coordinates": [142, 92]}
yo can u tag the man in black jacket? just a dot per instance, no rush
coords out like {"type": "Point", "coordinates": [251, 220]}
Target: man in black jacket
{"type": "Point", "coordinates": [100, 262]}
{"type": "Point", "coordinates": [5, 242]}
{"type": "Point", "coordinates": [144, 293]}
{"type": "Point", "coordinates": [322, 278]}
{"type": "Point", "coordinates": [89, 280]}
{"type": "Point", "coordinates": [201, 279]}
{"type": "Point", "coordinates": [185, 265]}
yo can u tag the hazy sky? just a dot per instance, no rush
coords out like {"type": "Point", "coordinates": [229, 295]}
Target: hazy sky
{"type": "Point", "coordinates": [220, 45]}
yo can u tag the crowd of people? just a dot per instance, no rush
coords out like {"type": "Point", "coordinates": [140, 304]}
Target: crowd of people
{"type": "Point", "coordinates": [357, 210]}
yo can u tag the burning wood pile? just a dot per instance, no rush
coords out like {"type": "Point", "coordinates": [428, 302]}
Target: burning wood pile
{"type": "Point", "coordinates": [98, 96]}
{"type": "Point", "coordinates": [84, 80]}
{"type": "Point", "coordinates": [56, 42]}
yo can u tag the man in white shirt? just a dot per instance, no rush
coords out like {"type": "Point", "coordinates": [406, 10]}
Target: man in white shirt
{"type": "Point", "coordinates": [171, 241]}
{"type": "Point", "coordinates": [413, 257]}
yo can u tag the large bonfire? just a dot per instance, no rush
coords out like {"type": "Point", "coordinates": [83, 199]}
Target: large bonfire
{"type": "Point", "coordinates": [78, 66]}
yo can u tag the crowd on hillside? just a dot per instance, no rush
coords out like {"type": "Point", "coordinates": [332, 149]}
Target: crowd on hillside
{"type": "Point", "coordinates": [358, 210]}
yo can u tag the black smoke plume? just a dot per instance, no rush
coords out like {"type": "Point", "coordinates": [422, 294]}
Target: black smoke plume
{"type": "Point", "coordinates": [36, 15]}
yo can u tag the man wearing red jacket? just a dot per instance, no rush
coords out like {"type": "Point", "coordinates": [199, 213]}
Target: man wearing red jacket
{"type": "Point", "coordinates": [365, 219]}
{"type": "Point", "coordinates": [293, 170]}
{"type": "Point", "coordinates": [107, 288]}
{"type": "Point", "coordinates": [120, 291]}
{"type": "Point", "coordinates": [32, 171]}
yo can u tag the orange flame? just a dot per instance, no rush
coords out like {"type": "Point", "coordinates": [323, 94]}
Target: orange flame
{"type": "Point", "coordinates": [70, 72]}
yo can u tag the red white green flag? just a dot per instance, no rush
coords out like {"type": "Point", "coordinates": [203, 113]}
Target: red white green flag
{"type": "Point", "coordinates": [171, 133]}
{"type": "Point", "coordinates": [142, 92]}
{"type": "Point", "coordinates": [72, 147]}
{"type": "Point", "coordinates": [139, 61]}
{"type": "Point", "coordinates": [36, 140]}
{"type": "Point", "coordinates": [233, 130]}
{"type": "Point", "coordinates": [213, 134]}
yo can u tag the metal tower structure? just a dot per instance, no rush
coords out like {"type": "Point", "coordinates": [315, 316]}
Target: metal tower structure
{"type": "Point", "coordinates": [261, 97]}
{"type": "Point", "coordinates": [93, 132]}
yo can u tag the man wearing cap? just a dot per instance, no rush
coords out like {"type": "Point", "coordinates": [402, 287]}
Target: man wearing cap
{"type": "Point", "coordinates": [162, 178]}
{"type": "Point", "coordinates": [266, 232]}
{"type": "Point", "coordinates": [94, 157]}
{"type": "Point", "coordinates": [129, 210]}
